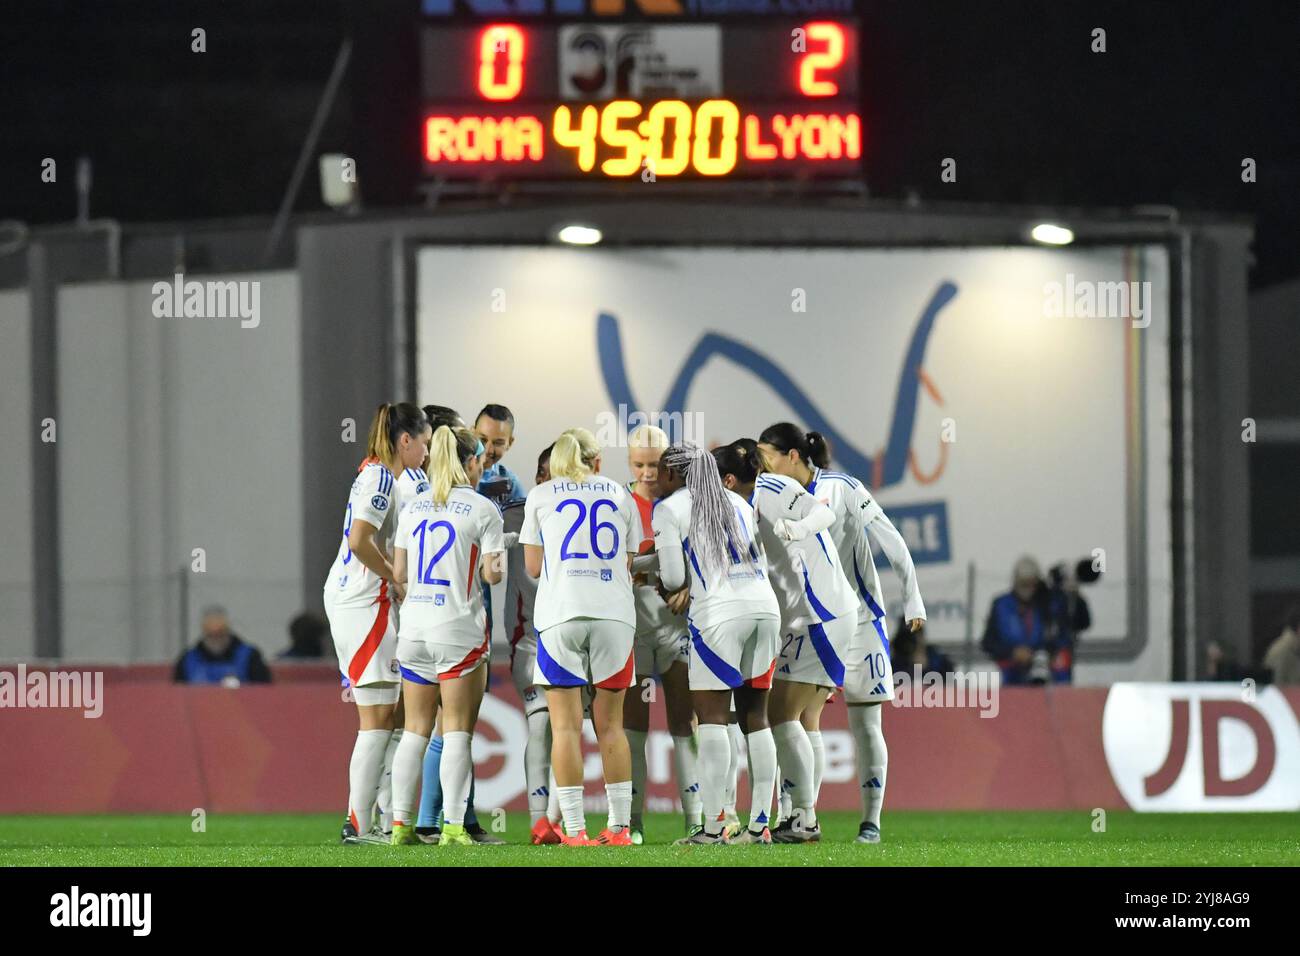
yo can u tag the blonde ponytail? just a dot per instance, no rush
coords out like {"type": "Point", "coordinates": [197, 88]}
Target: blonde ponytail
{"type": "Point", "coordinates": [574, 455]}
{"type": "Point", "coordinates": [378, 443]}
{"type": "Point", "coordinates": [448, 452]}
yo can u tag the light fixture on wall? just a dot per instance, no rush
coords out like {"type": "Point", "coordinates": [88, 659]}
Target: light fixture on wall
{"type": "Point", "coordinates": [578, 234]}
{"type": "Point", "coordinates": [1050, 234]}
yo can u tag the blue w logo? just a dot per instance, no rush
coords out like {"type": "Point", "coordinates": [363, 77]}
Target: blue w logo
{"type": "Point", "coordinates": [854, 460]}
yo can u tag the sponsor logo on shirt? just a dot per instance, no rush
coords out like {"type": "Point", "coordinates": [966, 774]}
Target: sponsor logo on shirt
{"type": "Point", "coordinates": [439, 600]}
{"type": "Point", "coordinates": [379, 503]}
{"type": "Point", "coordinates": [606, 574]}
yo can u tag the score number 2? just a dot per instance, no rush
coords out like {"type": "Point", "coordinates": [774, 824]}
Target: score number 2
{"type": "Point", "coordinates": [691, 137]}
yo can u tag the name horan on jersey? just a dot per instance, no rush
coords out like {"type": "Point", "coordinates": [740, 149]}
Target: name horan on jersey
{"type": "Point", "coordinates": [209, 300]}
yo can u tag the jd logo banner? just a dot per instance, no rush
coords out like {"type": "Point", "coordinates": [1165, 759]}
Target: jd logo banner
{"type": "Point", "coordinates": [1201, 747]}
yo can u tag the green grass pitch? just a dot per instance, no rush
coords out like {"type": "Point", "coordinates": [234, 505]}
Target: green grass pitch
{"type": "Point", "coordinates": [910, 839]}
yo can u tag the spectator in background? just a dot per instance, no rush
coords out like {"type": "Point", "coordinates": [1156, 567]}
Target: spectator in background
{"type": "Point", "coordinates": [1028, 630]}
{"type": "Point", "coordinates": [495, 427]}
{"type": "Point", "coordinates": [220, 656]}
{"type": "Point", "coordinates": [1283, 655]}
{"type": "Point", "coordinates": [307, 633]}
{"type": "Point", "coordinates": [911, 650]}
{"type": "Point", "coordinates": [1221, 665]}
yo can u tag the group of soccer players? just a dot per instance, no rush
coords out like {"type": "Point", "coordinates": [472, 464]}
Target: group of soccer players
{"type": "Point", "coordinates": [741, 580]}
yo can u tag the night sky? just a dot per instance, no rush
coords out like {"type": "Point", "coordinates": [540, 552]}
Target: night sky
{"type": "Point", "coordinates": [1011, 90]}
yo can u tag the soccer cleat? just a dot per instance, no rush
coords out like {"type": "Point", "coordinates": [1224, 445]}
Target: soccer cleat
{"type": "Point", "coordinates": [579, 840]}
{"type": "Point", "coordinates": [349, 835]}
{"type": "Point", "coordinates": [868, 833]}
{"type": "Point", "coordinates": [609, 838]}
{"type": "Point", "coordinates": [787, 832]}
{"type": "Point", "coordinates": [731, 824]}
{"type": "Point", "coordinates": [429, 835]}
{"type": "Point", "coordinates": [546, 833]}
{"type": "Point", "coordinates": [403, 835]}
{"type": "Point", "coordinates": [638, 837]}
{"type": "Point", "coordinates": [482, 837]}
{"type": "Point", "coordinates": [454, 835]}
{"type": "Point", "coordinates": [747, 836]}
{"type": "Point", "coordinates": [702, 837]}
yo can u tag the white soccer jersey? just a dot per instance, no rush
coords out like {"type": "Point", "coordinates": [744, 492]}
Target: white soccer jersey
{"type": "Point", "coordinates": [654, 619]}
{"type": "Point", "coordinates": [351, 583]}
{"type": "Point", "coordinates": [859, 519]}
{"type": "Point", "coordinates": [410, 483]}
{"type": "Point", "coordinates": [807, 575]}
{"type": "Point", "coordinates": [521, 590]}
{"type": "Point", "coordinates": [445, 544]}
{"type": "Point", "coordinates": [744, 592]}
{"type": "Point", "coordinates": [586, 529]}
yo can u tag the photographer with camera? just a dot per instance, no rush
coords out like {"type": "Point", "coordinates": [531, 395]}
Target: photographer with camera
{"type": "Point", "coordinates": [1031, 629]}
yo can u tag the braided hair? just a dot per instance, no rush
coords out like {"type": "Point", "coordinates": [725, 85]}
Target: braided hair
{"type": "Point", "coordinates": [714, 525]}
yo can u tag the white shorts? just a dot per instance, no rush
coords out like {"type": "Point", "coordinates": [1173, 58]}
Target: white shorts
{"type": "Point", "coordinates": [366, 643]}
{"type": "Point", "coordinates": [523, 660]}
{"type": "Point", "coordinates": [438, 654]}
{"type": "Point", "coordinates": [815, 653]}
{"type": "Point", "coordinates": [585, 650]}
{"type": "Point", "coordinates": [733, 654]}
{"type": "Point", "coordinates": [868, 674]}
{"type": "Point", "coordinates": [658, 649]}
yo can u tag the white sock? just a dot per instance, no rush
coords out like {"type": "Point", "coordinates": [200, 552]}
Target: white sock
{"type": "Point", "coordinates": [575, 818]}
{"type": "Point", "coordinates": [734, 740]}
{"type": "Point", "coordinates": [714, 764]}
{"type": "Point", "coordinates": [873, 759]}
{"type": "Point", "coordinates": [553, 797]}
{"type": "Point", "coordinates": [795, 754]}
{"type": "Point", "coordinates": [384, 802]}
{"type": "Point", "coordinates": [363, 775]}
{"type": "Point", "coordinates": [819, 761]}
{"type": "Point", "coordinates": [456, 773]}
{"type": "Point", "coordinates": [762, 776]}
{"type": "Point", "coordinates": [688, 779]}
{"type": "Point", "coordinates": [537, 764]}
{"type": "Point", "coordinates": [784, 805]}
{"type": "Point", "coordinates": [620, 804]}
{"type": "Point", "coordinates": [636, 743]}
{"type": "Point", "coordinates": [406, 770]}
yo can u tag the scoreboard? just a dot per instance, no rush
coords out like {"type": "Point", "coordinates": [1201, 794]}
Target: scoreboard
{"type": "Point", "coordinates": [590, 98]}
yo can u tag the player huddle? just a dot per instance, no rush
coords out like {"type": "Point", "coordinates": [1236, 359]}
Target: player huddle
{"type": "Point", "coordinates": [741, 578]}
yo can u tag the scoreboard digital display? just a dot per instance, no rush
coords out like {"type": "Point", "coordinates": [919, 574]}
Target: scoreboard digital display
{"type": "Point", "coordinates": [588, 99]}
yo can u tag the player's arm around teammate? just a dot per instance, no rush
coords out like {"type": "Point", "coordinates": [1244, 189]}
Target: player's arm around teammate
{"type": "Point", "coordinates": [579, 535]}
{"type": "Point", "coordinates": [448, 540]}
{"type": "Point", "coordinates": [358, 597]}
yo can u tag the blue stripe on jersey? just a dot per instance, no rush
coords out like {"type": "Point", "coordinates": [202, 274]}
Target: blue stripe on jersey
{"type": "Point", "coordinates": [556, 676]}
{"type": "Point", "coordinates": [817, 606]}
{"type": "Point", "coordinates": [770, 485]}
{"type": "Point", "coordinates": [721, 669]}
{"type": "Point", "coordinates": [413, 677]}
{"type": "Point", "coordinates": [852, 482]}
{"type": "Point", "coordinates": [862, 589]}
{"type": "Point", "coordinates": [686, 544]}
{"type": "Point", "coordinates": [884, 639]}
{"type": "Point", "coordinates": [823, 544]}
{"type": "Point", "coordinates": [831, 662]}
{"type": "Point", "coordinates": [812, 486]}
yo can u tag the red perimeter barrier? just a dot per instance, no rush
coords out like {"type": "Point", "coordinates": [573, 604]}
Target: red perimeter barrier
{"type": "Point", "coordinates": [165, 748]}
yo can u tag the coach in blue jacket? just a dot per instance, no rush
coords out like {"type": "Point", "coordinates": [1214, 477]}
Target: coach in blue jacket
{"type": "Point", "coordinates": [1028, 630]}
{"type": "Point", "coordinates": [220, 656]}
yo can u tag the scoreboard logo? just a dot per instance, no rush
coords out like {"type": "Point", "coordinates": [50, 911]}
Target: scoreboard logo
{"type": "Point", "coordinates": [682, 9]}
